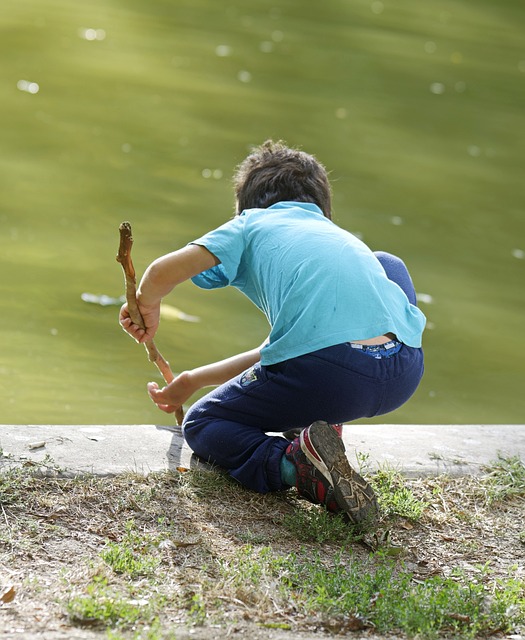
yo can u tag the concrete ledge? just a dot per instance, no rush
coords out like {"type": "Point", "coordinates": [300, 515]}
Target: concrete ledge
{"type": "Point", "coordinates": [416, 450]}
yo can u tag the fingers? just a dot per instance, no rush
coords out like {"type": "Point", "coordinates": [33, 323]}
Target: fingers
{"type": "Point", "coordinates": [136, 332]}
{"type": "Point", "coordinates": [159, 398]}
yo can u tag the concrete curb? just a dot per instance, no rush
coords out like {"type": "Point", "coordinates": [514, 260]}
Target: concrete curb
{"type": "Point", "coordinates": [415, 450]}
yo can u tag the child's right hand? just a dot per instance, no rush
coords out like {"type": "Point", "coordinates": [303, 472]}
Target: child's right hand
{"type": "Point", "coordinates": [151, 317]}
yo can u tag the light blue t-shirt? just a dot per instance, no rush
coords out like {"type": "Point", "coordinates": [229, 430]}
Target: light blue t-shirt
{"type": "Point", "coordinates": [317, 284]}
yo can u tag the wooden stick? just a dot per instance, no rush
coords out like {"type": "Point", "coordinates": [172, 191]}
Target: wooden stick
{"type": "Point", "coordinates": [124, 258]}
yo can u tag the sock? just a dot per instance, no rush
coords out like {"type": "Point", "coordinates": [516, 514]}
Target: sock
{"type": "Point", "coordinates": [288, 473]}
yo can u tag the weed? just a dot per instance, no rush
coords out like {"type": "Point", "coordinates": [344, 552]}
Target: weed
{"type": "Point", "coordinates": [13, 483]}
{"type": "Point", "coordinates": [205, 482]}
{"type": "Point", "coordinates": [197, 609]}
{"type": "Point", "coordinates": [246, 567]}
{"type": "Point", "coordinates": [251, 537]}
{"type": "Point", "coordinates": [394, 497]}
{"type": "Point", "coordinates": [152, 631]}
{"type": "Point", "coordinates": [505, 479]}
{"type": "Point", "coordinates": [133, 556]}
{"type": "Point", "coordinates": [104, 606]}
{"type": "Point", "coordinates": [315, 524]}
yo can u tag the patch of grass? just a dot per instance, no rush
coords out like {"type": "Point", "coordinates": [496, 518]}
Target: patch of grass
{"type": "Point", "coordinates": [343, 592]}
{"type": "Point", "coordinates": [380, 595]}
{"type": "Point", "coordinates": [141, 556]}
{"type": "Point", "coordinates": [134, 556]}
{"type": "Point", "coordinates": [206, 482]}
{"type": "Point", "coordinates": [247, 569]}
{"type": "Point", "coordinates": [197, 609]}
{"type": "Point", "coordinates": [105, 606]}
{"type": "Point", "coordinates": [314, 524]}
{"type": "Point", "coordinates": [395, 498]}
{"type": "Point", "coordinates": [152, 631]}
{"type": "Point", "coordinates": [505, 479]}
{"type": "Point", "coordinates": [13, 483]}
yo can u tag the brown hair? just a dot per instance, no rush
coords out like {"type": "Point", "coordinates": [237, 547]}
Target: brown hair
{"type": "Point", "coordinates": [274, 172]}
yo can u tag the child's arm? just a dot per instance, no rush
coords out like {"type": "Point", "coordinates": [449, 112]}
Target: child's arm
{"type": "Point", "coordinates": [159, 279]}
{"type": "Point", "coordinates": [187, 383]}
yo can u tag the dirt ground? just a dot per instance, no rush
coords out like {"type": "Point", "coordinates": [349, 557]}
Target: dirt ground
{"type": "Point", "coordinates": [53, 531]}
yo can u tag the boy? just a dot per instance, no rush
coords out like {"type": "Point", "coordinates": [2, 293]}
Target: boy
{"type": "Point", "coordinates": [345, 339]}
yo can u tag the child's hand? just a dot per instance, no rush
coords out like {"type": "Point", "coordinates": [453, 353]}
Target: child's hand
{"type": "Point", "coordinates": [151, 317]}
{"type": "Point", "coordinates": [171, 397]}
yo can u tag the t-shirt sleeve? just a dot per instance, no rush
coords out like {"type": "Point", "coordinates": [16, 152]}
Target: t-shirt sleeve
{"type": "Point", "coordinates": [227, 245]}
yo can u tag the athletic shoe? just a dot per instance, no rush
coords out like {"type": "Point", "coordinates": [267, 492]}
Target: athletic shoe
{"type": "Point", "coordinates": [292, 434]}
{"type": "Point", "coordinates": [325, 477]}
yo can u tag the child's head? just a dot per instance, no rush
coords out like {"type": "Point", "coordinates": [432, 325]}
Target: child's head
{"type": "Point", "coordinates": [273, 172]}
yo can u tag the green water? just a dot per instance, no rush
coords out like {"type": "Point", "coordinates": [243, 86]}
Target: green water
{"type": "Point", "coordinates": [138, 110]}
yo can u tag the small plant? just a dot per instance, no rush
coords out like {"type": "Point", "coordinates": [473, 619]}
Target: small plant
{"type": "Point", "coordinates": [315, 524]}
{"type": "Point", "coordinates": [197, 609]}
{"type": "Point", "coordinates": [505, 479]}
{"type": "Point", "coordinates": [103, 606]}
{"type": "Point", "coordinates": [247, 568]}
{"type": "Point", "coordinates": [394, 497]}
{"type": "Point", "coordinates": [149, 632]}
{"type": "Point", "coordinates": [133, 556]}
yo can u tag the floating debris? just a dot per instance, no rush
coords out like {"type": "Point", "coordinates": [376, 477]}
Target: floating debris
{"type": "Point", "coordinates": [223, 51]}
{"type": "Point", "coordinates": [437, 88]}
{"type": "Point", "coordinates": [103, 300]}
{"type": "Point", "coordinates": [172, 313]}
{"type": "Point", "coordinates": [92, 34]}
{"type": "Point", "coordinates": [266, 46]}
{"type": "Point", "coordinates": [209, 173]}
{"type": "Point", "coordinates": [244, 76]}
{"type": "Point", "coordinates": [167, 311]}
{"type": "Point", "coordinates": [28, 87]}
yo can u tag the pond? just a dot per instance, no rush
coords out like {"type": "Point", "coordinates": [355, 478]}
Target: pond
{"type": "Point", "coordinates": [140, 110]}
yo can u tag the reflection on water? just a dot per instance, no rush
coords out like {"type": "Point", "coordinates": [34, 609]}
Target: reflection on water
{"type": "Point", "coordinates": [140, 111]}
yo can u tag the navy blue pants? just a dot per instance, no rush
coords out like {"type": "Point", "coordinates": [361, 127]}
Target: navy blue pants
{"type": "Point", "coordinates": [337, 384]}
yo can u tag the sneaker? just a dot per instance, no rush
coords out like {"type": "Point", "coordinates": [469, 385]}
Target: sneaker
{"type": "Point", "coordinates": [325, 477]}
{"type": "Point", "coordinates": [292, 434]}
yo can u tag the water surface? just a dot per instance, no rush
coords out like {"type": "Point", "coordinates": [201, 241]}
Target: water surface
{"type": "Point", "coordinates": [140, 110]}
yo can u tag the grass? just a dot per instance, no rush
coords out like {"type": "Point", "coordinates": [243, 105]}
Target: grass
{"type": "Point", "coordinates": [505, 479]}
{"type": "Point", "coordinates": [134, 556]}
{"type": "Point", "coordinates": [143, 556]}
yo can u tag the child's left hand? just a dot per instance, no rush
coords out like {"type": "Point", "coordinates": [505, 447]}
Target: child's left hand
{"type": "Point", "coordinates": [171, 397]}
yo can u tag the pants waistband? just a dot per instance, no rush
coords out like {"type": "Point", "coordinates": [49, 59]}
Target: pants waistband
{"type": "Point", "coordinates": [386, 350]}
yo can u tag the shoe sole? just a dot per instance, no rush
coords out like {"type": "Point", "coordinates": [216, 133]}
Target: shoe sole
{"type": "Point", "coordinates": [353, 494]}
